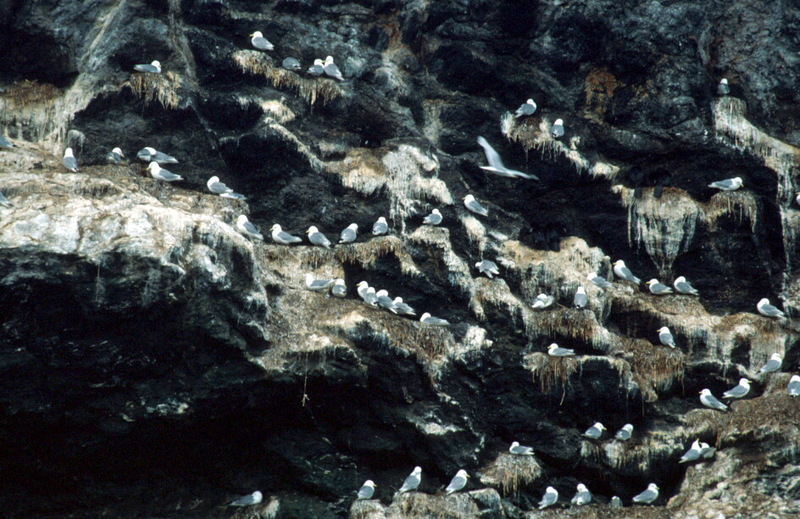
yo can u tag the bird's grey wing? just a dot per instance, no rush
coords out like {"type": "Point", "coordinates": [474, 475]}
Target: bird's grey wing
{"type": "Point", "coordinates": [647, 495]}
{"type": "Point", "coordinates": [457, 483]}
{"type": "Point", "coordinates": [164, 158]}
{"type": "Point", "coordinates": [219, 187]}
{"type": "Point", "coordinates": [379, 228]}
{"type": "Point", "coordinates": [492, 157]}
{"type": "Point", "coordinates": [70, 163]}
{"type": "Point", "coordinates": [143, 154]}
{"type": "Point", "coordinates": [736, 391]}
{"type": "Point", "coordinates": [770, 366]}
{"type": "Point", "coordinates": [410, 483]}
{"type": "Point", "coordinates": [4, 201]}
{"type": "Point", "coordinates": [249, 227]}
{"type": "Point", "coordinates": [5, 143]}
{"type": "Point", "coordinates": [285, 236]}
{"type": "Point", "coordinates": [477, 207]}
{"type": "Point", "coordinates": [366, 492]}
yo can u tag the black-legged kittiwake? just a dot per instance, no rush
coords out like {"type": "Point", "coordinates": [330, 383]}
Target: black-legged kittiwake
{"type": "Point", "coordinates": [458, 482]}
{"type": "Point", "coordinates": [366, 491]}
{"type": "Point", "coordinates": [159, 173]}
{"type": "Point", "coordinates": [244, 226]}
{"type": "Point", "coordinates": [527, 108]}
{"type": "Point", "coordinates": [648, 496]}
{"type": "Point", "coordinates": [69, 161]}
{"type": "Point", "coordinates": [582, 496]}
{"type": "Point", "coordinates": [148, 154]}
{"type": "Point", "coordinates": [520, 450]}
{"type": "Point", "coordinates": [595, 432]}
{"type": "Point", "coordinates": [722, 87]}
{"type": "Point", "coordinates": [218, 188]}
{"type": "Point", "coordinates": [766, 309]}
{"type": "Point", "coordinates": [580, 300]}
{"type": "Point", "coordinates": [773, 364]}
{"type": "Point", "coordinates": [153, 67]}
{"type": "Point", "coordinates": [554, 350]}
{"type": "Point", "coordinates": [550, 498]}
{"type": "Point", "coordinates": [625, 433]}
{"type": "Point", "coordinates": [794, 386]}
{"type": "Point", "coordinates": [496, 165]}
{"type": "Point", "coordinates": [385, 302]}
{"type": "Point", "coordinates": [488, 267]}
{"type": "Point", "coordinates": [707, 451]}
{"type": "Point", "coordinates": [349, 234]}
{"type": "Point", "coordinates": [427, 318]}
{"type": "Point", "coordinates": [331, 70]}
{"type": "Point", "coordinates": [260, 42]}
{"type": "Point", "coordinates": [599, 281]}
{"type": "Point", "coordinates": [729, 184]}
{"type": "Point", "coordinates": [380, 227]}
{"type": "Point", "coordinates": [317, 238]}
{"type": "Point", "coordinates": [435, 218]}
{"type": "Point", "coordinates": [361, 290]}
{"type": "Point", "coordinates": [684, 287]}
{"type": "Point", "coordinates": [318, 285]}
{"type": "Point", "coordinates": [710, 401]}
{"type": "Point", "coordinates": [115, 156]}
{"type": "Point", "coordinates": [283, 238]}
{"type": "Point", "coordinates": [317, 69]}
{"type": "Point", "coordinates": [665, 336]}
{"type": "Point", "coordinates": [339, 289]}
{"type": "Point", "coordinates": [615, 502]}
{"type": "Point", "coordinates": [371, 297]}
{"type": "Point", "coordinates": [542, 301]}
{"type": "Point", "coordinates": [5, 143]}
{"type": "Point", "coordinates": [657, 288]}
{"type": "Point", "coordinates": [5, 202]}
{"type": "Point", "coordinates": [292, 64]}
{"type": "Point", "coordinates": [558, 129]}
{"type": "Point", "coordinates": [475, 206]}
{"type": "Point", "coordinates": [623, 272]}
{"type": "Point", "coordinates": [738, 391]}
{"type": "Point", "coordinates": [694, 452]}
{"type": "Point", "coordinates": [412, 481]}
{"type": "Point", "coordinates": [248, 500]}
{"type": "Point", "coordinates": [403, 308]}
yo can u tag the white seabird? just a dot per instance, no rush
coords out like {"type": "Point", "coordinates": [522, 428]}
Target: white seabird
{"type": "Point", "coordinates": [244, 226]}
{"type": "Point", "coordinates": [773, 364]}
{"type": "Point", "coordinates": [366, 491]}
{"type": "Point", "coordinates": [281, 237]}
{"type": "Point", "coordinates": [458, 482]}
{"type": "Point", "coordinates": [435, 218]}
{"type": "Point", "coordinates": [412, 481]}
{"type": "Point", "coordinates": [623, 272]}
{"type": "Point", "coordinates": [797, 198]}
{"type": "Point", "coordinates": [148, 154]}
{"type": "Point", "coordinates": [380, 227]}
{"type": "Point", "coordinates": [496, 165]}
{"type": "Point", "coordinates": [427, 318]}
{"type": "Point", "coordinates": [260, 42]}
{"type": "Point", "coordinates": [475, 206]}
{"type": "Point", "coordinates": [361, 290]}
{"type": "Point", "coordinates": [665, 336]}
{"type": "Point", "coordinates": [248, 500]}
{"type": "Point", "coordinates": [550, 497]}
{"type": "Point", "coordinates": [554, 350]}
{"type": "Point", "coordinates": [707, 451]}
{"type": "Point", "coordinates": [318, 285]}
{"type": "Point", "coordinates": [616, 502]}
{"type": "Point", "coordinates": [794, 386]}
{"type": "Point", "coordinates": [5, 201]}
{"type": "Point", "coordinates": [684, 287]}
{"type": "Point", "coordinates": [317, 238]}
{"type": "Point", "coordinates": [558, 129]}
{"type": "Point", "coordinates": [488, 267]}
{"type": "Point", "coordinates": [371, 297]}
{"type": "Point", "coordinates": [694, 452]}
{"type": "Point", "coordinates": [582, 496]}
{"type": "Point", "coordinates": [331, 69]}
{"type": "Point", "coordinates": [292, 64]}
{"type": "Point", "coordinates": [317, 69]}
{"type": "Point", "coordinates": [738, 391]}
{"type": "Point", "coordinates": [625, 433]}
{"type": "Point", "coordinates": [766, 309]}
{"type": "Point", "coordinates": [580, 300]}
{"type": "Point", "coordinates": [384, 301]}
{"type": "Point", "coordinates": [595, 432]}
{"type": "Point", "coordinates": [349, 234]}
{"type": "Point", "coordinates": [5, 143]}
{"type": "Point", "coordinates": [722, 88]}
{"type": "Point", "coordinates": [218, 188]}
{"type": "Point", "coordinates": [729, 184]}
{"type": "Point", "coordinates": [159, 173]}
{"type": "Point", "coordinates": [542, 301]}
{"type": "Point", "coordinates": [527, 108]}
{"type": "Point", "coordinates": [708, 400]}
{"type": "Point", "coordinates": [520, 450]}
{"type": "Point", "coordinates": [403, 308]}
{"type": "Point", "coordinates": [69, 161]}
{"type": "Point", "coordinates": [599, 281]}
{"type": "Point", "coordinates": [648, 496]}
{"type": "Point", "coordinates": [115, 156]}
{"type": "Point", "coordinates": [153, 67]}
{"type": "Point", "coordinates": [339, 289]}
{"type": "Point", "coordinates": [657, 288]}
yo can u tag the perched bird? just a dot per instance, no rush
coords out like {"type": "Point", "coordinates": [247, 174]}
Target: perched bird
{"type": "Point", "coordinates": [331, 70]}
{"type": "Point", "coordinates": [722, 88]}
{"type": "Point", "coordinates": [244, 226]}
{"type": "Point", "coordinates": [475, 206]}
{"type": "Point", "coordinates": [384, 301]}
{"type": "Point", "coordinates": [380, 227]}
{"type": "Point", "coordinates": [115, 156]}
{"type": "Point", "coordinates": [496, 165]}
{"type": "Point", "coordinates": [520, 450]}
{"type": "Point", "coordinates": [159, 173]}
{"type": "Point", "coordinates": [729, 184]}
{"type": "Point", "coordinates": [412, 481]}
{"type": "Point", "coordinates": [527, 108]}
{"type": "Point", "coordinates": [458, 482]}
{"type": "Point", "coordinates": [794, 386]}
{"type": "Point", "coordinates": [366, 491]}
{"type": "Point", "coordinates": [69, 161]}
{"type": "Point", "coordinates": [684, 287]}
{"type": "Point", "coordinates": [260, 42]}
{"type": "Point", "coordinates": [773, 364]}
{"type": "Point", "coordinates": [625, 433]}
{"type": "Point", "coordinates": [657, 288]}
{"type": "Point", "coordinates": [558, 129]}
{"type": "Point", "coordinates": [318, 285]}
{"type": "Point", "coordinates": [4, 201]}
{"type": "Point", "coordinates": [766, 309]}
{"type": "Point", "coordinates": [580, 300]}
{"type": "Point", "coordinates": [153, 67]}
{"type": "Point", "coordinates": [5, 143]}
{"type": "Point", "coordinates": [426, 318]}
{"type": "Point", "coordinates": [149, 154]}
{"type": "Point", "coordinates": [707, 451]}
{"type": "Point", "coordinates": [595, 432]}
{"type": "Point", "coordinates": [648, 496]}
{"type": "Point", "coordinates": [738, 391]}
{"type": "Point", "coordinates": [550, 497]}
{"type": "Point", "coordinates": [435, 218]}
{"type": "Point", "coordinates": [665, 336]}
{"type": "Point", "coordinates": [488, 267]}
{"type": "Point", "coordinates": [361, 290]}
{"type": "Point", "coordinates": [582, 496]}
{"type": "Point", "coordinates": [248, 500]}
{"type": "Point", "coordinates": [370, 297]}
{"type": "Point", "coordinates": [797, 198]}
{"type": "Point", "coordinates": [317, 238]}
{"type": "Point", "coordinates": [402, 308]}
{"type": "Point", "coordinates": [317, 69]}
{"type": "Point", "coordinates": [623, 272]}
{"type": "Point", "coordinates": [292, 64]}
{"type": "Point", "coordinates": [542, 301]}
{"type": "Point", "coordinates": [554, 350]}
{"type": "Point", "coordinates": [694, 452]}
{"type": "Point", "coordinates": [599, 281]}
{"type": "Point", "coordinates": [616, 502]}
{"type": "Point", "coordinates": [218, 188]}
{"type": "Point", "coordinates": [283, 238]}
{"type": "Point", "coordinates": [708, 400]}
{"type": "Point", "coordinates": [349, 234]}
{"type": "Point", "coordinates": [339, 289]}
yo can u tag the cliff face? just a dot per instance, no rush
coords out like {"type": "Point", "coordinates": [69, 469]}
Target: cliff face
{"type": "Point", "coordinates": [155, 362]}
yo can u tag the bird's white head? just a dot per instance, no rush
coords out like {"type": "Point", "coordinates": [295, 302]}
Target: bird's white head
{"type": "Point", "coordinates": [680, 279]}
{"type": "Point", "coordinates": [436, 211]}
{"type": "Point", "coordinates": [582, 488]}
{"type": "Point", "coordinates": [339, 281]}
{"type": "Point", "coordinates": [462, 473]}
{"type": "Point", "coordinates": [68, 152]}
{"type": "Point", "coordinates": [551, 490]}
{"type": "Point", "coordinates": [275, 227]}
{"type": "Point", "coordinates": [153, 166]}
{"type": "Point", "coordinates": [319, 62]}
{"type": "Point", "coordinates": [257, 34]}
{"type": "Point", "coordinates": [328, 60]}
{"type": "Point", "coordinates": [370, 483]}
{"type": "Point", "coordinates": [382, 293]}
{"type": "Point", "coordinates": [763, 302]}
{"type": "Point", "coordinates": [552, 347]}
{"type": "Point", "coordinates": [663, 329]}
{"type": "Point", "coordinates": [627, 427]}
{"type": "Point", "coordinates": [152, 151]}
{"type": "Point", "coordinates": [724, 81]}
{"type": "Point", "coordinates": [738, 180]}
{"type": "Point", "coordinates": [591, 276]}
{"type": "Point", "coordinates": [705, 392]}
{"type": "Point", "coordinates": [469, 198]}
{"type": "Point", "coordinates": [382, 219]}
{"type": "Point", "coordinates": [417, 470]}
{"type": "Point", "coordinates": [652, 282]}
{"type": "Point", "coordinates": [362, 284]}
{"type": "Point", "coordinates": [118, 152]}
{"type": "Point", "coordinates": [776, 356]}
{"type": "Point", "coordinates": [744, 382]}
{"type": "Point", "coordinates": [156, 63]}
{"type": "Point", "coordinates": [353, 226]}
{"type": "Point", "coordinates": [514, 444]}
{"type": "Point", "coordinates": [795, 378]}
{"type": "Point", "coordinates": [242, 218]}
{"type": "Point", "coordinates": [424, 316]}
{"type": "Point", "coordinates": [652, 486]}
{"type": "Point", "coordinates": [530, 102]}
{"type": "Point", "coordinates": [559, 122]}
{"type": "Point", "coordinates": [581, 290]}
{"type": "Point", "coordinates": [600, 426]}
{"type": "Point", "coordinates": [312, 230]}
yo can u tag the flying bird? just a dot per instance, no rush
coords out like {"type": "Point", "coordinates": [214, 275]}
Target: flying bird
{"type": "Point", "coordinates": [152, 67]}
{"type": "Point", "coordinates": [458, 482]}
{"type": "Point", "coordinates": [248, 500]}
{"type": "Point", "coordinates": [317, 69]}
{"type": "Point", "coordinates": [475, 206]}
{"type": "Point", "coordinates": [625, 433]}
{"type": "Point", "coordinates": [684, 287]}
{"type": "Point", "coordinates": [520, 450]}
{"type": "Point", "coordinates": [339, 289]}
{"type": "Point", "coordinates": [773, 364]}
{"type": "Point", "coordinates": [542, 301]}
{"type": "Point", "coordinates": [69, 161]}
{"type": "Point", "coordinates": [380, 227]}
{"type": "Point", "coordinates": [794, 386]}
{"type": "Point", "coordinates": [349, 234]}
{"type": "Point", "coordinates": [554, 350]}
{"type": "Point", "coordinates": [599, 281]}
{"type": "Point", "coordinates": [5, 201]}
{"type": "Point", "coordinates": [708, 400]}
{"type": "Point", "coordinates": [366, 491]}
{"type": "Point", "coordinates": [550, 497]}
{"type": "Point", "coordinates": [317, 238]}
{"type": "Point", "coordinates": [582, 496]}
{"type": "Point", "coordinates": [115, 156]}
{"type": "Point", "coordinates": [244, 226]}
{"type": "Point", "coordinates": [283, 238]}
{"type": "Point", "coordinates": [331, 70]}
{"type": "Point", "coordinates": [159, 173]}
{"type": "Point", "coordinates": [729, 184]}
{"type": "Point", "coordinates": [665, 336]}
{"type": "Point", "coordinates": [722, 88]}
{"type": "Point", "coordinates": [426, 318]}
{"type": "Point", "coordinates": [318, 285]}
{"type": "Point", "coordinates": [488, 267]}
{"type": "Point", "coordinates": [412, 481]}
{"type": "Point", "coordinates": [149, 154]}
{"type": "Point", "coordinates": [402, 308]}
{"type": "Point", "coordinates": [580, 300]}
{"type": "Point", "coordinates": [558, 129]}
{"type": "Point", "coordinates": [595, 432]}
{"type": "Point", "coordinates": [648, 496]}
{"type": "Point", "coordinates": [738, 391]}
{"type": "Point", "coordinates": [768, 310]}
{"type": "Point", "coordinates": [623, 272]}
{"type": "Point", "coordinates": [218, 188]}
{"type": "Point", "coordinates": [657, 288]}
{"type": "Point", "coordinates": [527, 108]}
{"type": "Point", "coordinates": [260, 42]}
{"type": "Point", "coordinates": [435, 218]}
{"type": "Point", "coordinates": [292, 64]}
{"type": "Point", "coordinates": [496, 165]}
